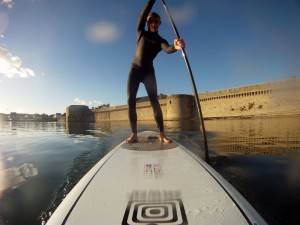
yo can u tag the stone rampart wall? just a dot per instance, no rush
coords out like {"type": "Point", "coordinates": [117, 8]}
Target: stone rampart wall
{"type": "Point", "coordinates": [174, 107]}
{"type": "Point", "coordinates": [120, 113]}
{"type": "Point", "coordinates": [266, 99]}
{"type": "Point", "coordinates": [273, 98]}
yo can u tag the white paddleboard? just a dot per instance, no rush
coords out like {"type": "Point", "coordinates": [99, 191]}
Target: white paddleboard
{"type": "Point", "coordinates": [150, 182]}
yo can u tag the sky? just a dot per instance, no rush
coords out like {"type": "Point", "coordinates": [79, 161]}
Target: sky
{"type": "Point", "coordinates": [56, 53]}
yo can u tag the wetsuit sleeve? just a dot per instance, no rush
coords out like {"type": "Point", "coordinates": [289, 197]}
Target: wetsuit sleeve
{"type": "Point", "coordinates": [167, 48]}
{"type": "Point", "coordinates": [143, 17]}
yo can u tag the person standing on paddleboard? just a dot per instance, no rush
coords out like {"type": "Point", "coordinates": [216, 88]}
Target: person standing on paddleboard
{"type": "Point", "coordinates": [149, 44]}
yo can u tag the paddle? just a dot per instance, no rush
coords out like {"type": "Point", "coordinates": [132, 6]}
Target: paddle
{"type": "Point", "coordinates": [193, 83]}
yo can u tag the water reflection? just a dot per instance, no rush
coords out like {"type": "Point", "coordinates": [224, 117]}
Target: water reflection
{"type": "Point", "coordinates": [260, 157]}
{"type": "Point", "coordinates": [14, 177]}
{"type": "Point", "coordinates": [265, 136]}
{"type": "Point", "coordinates": [83, 129]}
{"type": "Point", "coordinates": [293, 178]}
{"type": "Point", "coordinates": [107, 127]}
{"type": "Point", "coordinates": [259, 136]}
{"type": "Point", "coordinates": [182, 125]}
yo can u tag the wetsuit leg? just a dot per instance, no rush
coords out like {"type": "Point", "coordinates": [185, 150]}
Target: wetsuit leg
{"type": "Point", "coordinates": [149, 81]}
{"type": "Point", "coordinates": [132, 89]}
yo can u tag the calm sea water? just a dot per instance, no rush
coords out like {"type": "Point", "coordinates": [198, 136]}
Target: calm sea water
{"type": "Point", "coordinates": [41, 162]}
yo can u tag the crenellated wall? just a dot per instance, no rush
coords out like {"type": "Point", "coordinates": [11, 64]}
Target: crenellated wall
{"type": "Point", "coordinates": [266, 99]}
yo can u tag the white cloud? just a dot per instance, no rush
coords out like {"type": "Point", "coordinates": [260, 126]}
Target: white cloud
{"type": "Point", "coordinates": [9, 3]}
{"type": "Point", "coordinates": [11, 66]}
{"type": "Point", "coordinates": [93, 103]}
{"type": "Point", "coordinates": [184, 14]}
{"type": "Point", "coordinates": [79, 101]}
{"type": "Point", "coordinates": [103, 32]}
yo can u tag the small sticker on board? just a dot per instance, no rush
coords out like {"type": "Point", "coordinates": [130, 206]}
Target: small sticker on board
{"type": "Point", "coordinates": [152, 170]}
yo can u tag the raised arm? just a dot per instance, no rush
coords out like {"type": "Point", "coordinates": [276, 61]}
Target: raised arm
{"type": "Point", "coordinates": [144, 14]}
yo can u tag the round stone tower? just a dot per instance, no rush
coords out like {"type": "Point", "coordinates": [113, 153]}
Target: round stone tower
{"type": "Point", "coordinates": [78, 113]}
{"type": "Point", "coordinates": [180, 107]}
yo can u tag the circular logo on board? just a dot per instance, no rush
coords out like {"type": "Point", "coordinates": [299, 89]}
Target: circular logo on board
{"type": "Point", "coordinates": [169, 212]}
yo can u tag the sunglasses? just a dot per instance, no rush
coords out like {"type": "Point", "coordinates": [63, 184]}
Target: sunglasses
{"type": "Point", "coordinates": [155, 21]}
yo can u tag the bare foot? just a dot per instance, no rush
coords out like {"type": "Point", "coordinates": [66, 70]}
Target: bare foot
{"type": "Point", "coordinates": [163, 138]}
{"type": "Point", "coordinates": [132, 139]}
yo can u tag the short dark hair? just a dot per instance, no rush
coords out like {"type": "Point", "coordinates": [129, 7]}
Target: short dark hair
{"type": "Point", "coordinates": [154, 14]}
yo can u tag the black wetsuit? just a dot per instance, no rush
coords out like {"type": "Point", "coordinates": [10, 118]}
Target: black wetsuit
{"type": "Point", "coordinates": [148, 45]}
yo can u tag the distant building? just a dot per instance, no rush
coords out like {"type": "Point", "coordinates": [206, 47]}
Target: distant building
{"type": "Point", "coordinates": [57, 116]}
{"type": "Point", "coordinates": [13, 116]}
{"type": "Point", "coordinates": [3, 117]}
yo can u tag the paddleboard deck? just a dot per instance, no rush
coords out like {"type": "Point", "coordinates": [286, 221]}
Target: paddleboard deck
{"type": "Point", "coordinates": [150, 182]}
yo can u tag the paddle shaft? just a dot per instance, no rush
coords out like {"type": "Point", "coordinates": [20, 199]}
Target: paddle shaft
{"type": "Point", "coordinates": [193, 83]}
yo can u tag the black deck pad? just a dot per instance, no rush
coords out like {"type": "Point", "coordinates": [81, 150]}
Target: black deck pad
{"type": "Point", "coordinates": [148, 142]}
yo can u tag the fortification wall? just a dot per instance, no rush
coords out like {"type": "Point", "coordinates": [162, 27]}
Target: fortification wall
{"type": "Point", "coordinates": [174, 107]}
{"type": "Point", "coordinates": [120, 113]}
{"type": "Point", "coordinates": [266, 99]}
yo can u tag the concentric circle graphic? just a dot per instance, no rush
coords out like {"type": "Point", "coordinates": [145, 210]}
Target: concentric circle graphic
{"type": "Point", "coordinates": [168, 213]}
